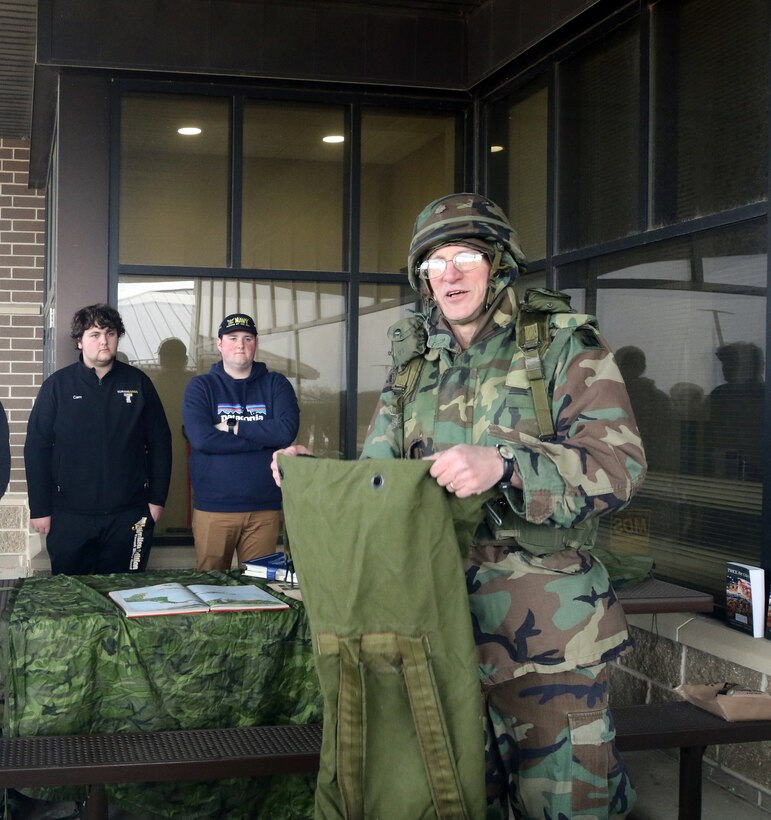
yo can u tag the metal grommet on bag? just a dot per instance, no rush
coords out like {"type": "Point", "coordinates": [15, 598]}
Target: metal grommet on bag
{"type": "Point", "coordinates": [378, 480]}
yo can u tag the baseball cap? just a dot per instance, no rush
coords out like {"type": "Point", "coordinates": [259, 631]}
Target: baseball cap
{"type": "Point", "coordinates": [235, 322]}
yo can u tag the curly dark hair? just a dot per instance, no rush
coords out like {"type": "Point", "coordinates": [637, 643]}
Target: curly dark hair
{"type": "Point", "coordinates": [99, 315]}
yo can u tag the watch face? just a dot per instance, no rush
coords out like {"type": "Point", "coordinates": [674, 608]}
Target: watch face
{"type": "Point", "coordinates": [506, 451]}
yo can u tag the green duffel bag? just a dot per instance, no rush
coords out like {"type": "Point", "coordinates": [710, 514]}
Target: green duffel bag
{"type": "Point", "coordinates": [381, 574]}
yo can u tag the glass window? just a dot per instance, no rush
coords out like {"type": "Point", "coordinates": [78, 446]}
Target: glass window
{"type": "Point", "coordinates": [280, 204]}
{"type": "Point", "coordinates": [171, 333]}
{"type": "Point", "coordinates": [379, 307]}
{"type": "Point", "coordinates": [516, 163]}
{"type": "Point", "coordinates": [174, 187]}
{"type": "Point", "coordinates": [687, 320]}
{"type": "Point", "coordinates": [293, 186]}
{"type": "Point", "coordinates": [407, 160]}
{"type": "Point", "coordinates": [598, 177]}
{"type": "Point", "coordinates": [709, 80]}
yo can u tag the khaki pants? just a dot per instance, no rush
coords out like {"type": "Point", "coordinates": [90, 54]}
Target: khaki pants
{"type": "Point", "coordinates": [218, 535]}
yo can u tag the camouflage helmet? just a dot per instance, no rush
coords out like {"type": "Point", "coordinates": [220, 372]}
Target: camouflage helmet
{"type": "Point", "coordinates": [457, 217]}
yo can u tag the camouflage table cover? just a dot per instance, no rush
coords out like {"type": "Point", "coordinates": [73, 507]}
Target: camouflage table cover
{"type": "Point", "coordinates": [74, 664]}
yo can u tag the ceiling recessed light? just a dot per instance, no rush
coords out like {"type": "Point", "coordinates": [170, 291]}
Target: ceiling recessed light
{"type": "Point", "coordinates": [334, 138]}
{"type": "Point", "coordinates": [495, 149]}
{"type": "Point", "coordinates": [189, 131]}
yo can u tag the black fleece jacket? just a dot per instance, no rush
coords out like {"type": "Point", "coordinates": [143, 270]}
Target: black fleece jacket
{"type": "Point", "coordinates": [96, 446]}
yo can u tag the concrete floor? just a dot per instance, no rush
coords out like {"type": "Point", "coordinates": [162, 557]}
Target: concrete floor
{"type": "Point", "coordinates": [656, 778]}
{"type": "Point", "coordinates": [654, 774]}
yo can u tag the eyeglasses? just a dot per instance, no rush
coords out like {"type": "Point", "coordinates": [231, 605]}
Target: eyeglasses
{"type": "Point", "coordinates": [465, 261]}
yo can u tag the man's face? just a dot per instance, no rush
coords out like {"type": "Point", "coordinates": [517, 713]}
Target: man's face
{"type": "Point", "coordinates": [99, 346]}
{"type": "Point", "coordinates": [457, 293]}
{"type": "Point", "coordinates": [237, 350]}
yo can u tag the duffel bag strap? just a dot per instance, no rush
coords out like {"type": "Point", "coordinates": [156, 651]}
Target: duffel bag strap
{"type": "Point", "coordinates": [414, 656]}
{"type": "Point", "coordinates": [351, 729]}
{"type": "Point", "coordinates": [431, 728]}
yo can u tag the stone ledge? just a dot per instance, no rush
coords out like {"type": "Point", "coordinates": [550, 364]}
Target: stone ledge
{"type": "Point", "coordinates": [711, 637]}
{"type": "Point", "coordinates": [21, 308]}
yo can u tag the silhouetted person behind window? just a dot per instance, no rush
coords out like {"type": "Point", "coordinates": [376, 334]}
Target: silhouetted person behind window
{"type": "Point", "coordinates": [734, 414]}
{"type": "Point", "coordinates": [170, 381]}
{"type": "Point", "coordinates": [652, 409]}
{"type": "Point", "coordinates": [688, 407]}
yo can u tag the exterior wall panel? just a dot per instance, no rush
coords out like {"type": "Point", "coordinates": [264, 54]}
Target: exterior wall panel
{"type": "Point", "coordinates": [83, 189]}
{"type": "Point", "coordinates": [260, 40]}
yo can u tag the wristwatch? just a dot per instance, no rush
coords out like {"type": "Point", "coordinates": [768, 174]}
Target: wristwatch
{"type": "Point", "coordinates": [231, 423]}
{"type": "Point", "coordinates": [506, 452]}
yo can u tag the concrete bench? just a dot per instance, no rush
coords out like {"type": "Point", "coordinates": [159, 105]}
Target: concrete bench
{"type": "Point", "coordinates": [143, 757]}
{"type": "Point", "coordinates": [681, 725]}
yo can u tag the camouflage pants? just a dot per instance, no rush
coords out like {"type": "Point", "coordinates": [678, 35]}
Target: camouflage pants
{"type": "Point", "coordinates": [550, 750]}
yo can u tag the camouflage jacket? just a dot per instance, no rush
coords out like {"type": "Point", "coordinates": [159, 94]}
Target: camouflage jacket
{"type": "Point", "coordinates": [482, 396]}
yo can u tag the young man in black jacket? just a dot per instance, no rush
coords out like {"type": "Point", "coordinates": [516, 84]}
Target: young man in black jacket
{"type": "Point", "coordinates": [97, 455]}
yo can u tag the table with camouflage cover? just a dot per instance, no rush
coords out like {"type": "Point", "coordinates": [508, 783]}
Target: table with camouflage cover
{"type": "Point", "coordinates": [74, 664]}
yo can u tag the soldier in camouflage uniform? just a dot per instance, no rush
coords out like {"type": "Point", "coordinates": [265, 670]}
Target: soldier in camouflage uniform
{"type": "Point", "coordinates": [545, 617]}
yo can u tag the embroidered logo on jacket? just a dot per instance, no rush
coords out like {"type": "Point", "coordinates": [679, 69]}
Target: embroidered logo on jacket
{"type": "Point", "coordinates": [253, 412]}
{"type": "Point", "coordinates": [128, 395]}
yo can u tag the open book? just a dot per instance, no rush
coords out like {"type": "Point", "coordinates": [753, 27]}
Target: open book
{"type": "Point", "coordinates": [178, 599]}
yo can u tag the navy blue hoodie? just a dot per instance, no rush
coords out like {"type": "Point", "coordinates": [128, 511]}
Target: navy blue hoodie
{"type": "Point", "coordinates": [231, 473]}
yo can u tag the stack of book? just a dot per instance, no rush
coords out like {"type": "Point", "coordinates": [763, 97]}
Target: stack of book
{"type": "Point", "coordinates": [276, 568]}
{"type": "Point", "coordinates": [273, 567]}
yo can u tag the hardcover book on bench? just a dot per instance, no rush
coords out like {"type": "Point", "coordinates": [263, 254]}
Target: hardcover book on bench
{"type": "Point", "coordinates": [273, 567]}
{"type": "Point", "coordinates": [745, 590]}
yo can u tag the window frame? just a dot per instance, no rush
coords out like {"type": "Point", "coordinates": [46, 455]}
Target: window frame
{"type": "Point", "coordinates": [546, 61]}
{"type": "Point", "coordinates": [455, 104]}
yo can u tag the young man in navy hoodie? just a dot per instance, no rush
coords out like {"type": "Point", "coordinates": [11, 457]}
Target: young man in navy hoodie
{"type": "Point", "coordinates": [235, 417]}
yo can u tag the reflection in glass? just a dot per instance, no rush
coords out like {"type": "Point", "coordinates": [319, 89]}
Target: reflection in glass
{"type": "Point", "coordinates": [407, 160]}
{"type": "Point", "coordinates": [734, 414]}
{"type": "Point", "coordinates": [170, 378]}
{"type": "Point", "coordinates": [690, 349]}
{"type": "Point", "coordinates": [516, 174]}
{"type": "Point", "coordinates": [379, 307]}
{"type": "Point", "coordinates": [292, 187]}
{"type": "Point", "coordinates": [171, 334]}
{"type": "Point", "coordinates": [174, 188]}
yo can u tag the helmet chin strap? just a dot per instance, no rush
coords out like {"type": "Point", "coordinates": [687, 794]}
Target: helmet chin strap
{"type": "Point", "coordinates": [493, 272]}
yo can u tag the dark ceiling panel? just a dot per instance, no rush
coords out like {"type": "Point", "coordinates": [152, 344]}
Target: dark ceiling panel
{"type": "Point", "coordinates": [79, 28]}
{"type": "Point", "coordinates": [17, 60]}
{"type": "Point", "coordinates": [341, 44]}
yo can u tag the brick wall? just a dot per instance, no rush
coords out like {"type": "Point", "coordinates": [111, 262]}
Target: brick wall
{"type": "Point", "coordinates": [22, 220]}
